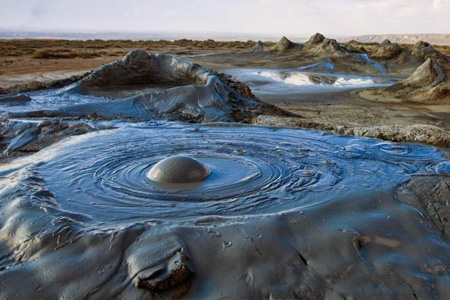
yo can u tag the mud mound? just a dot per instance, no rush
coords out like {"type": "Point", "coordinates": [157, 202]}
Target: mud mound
{"type": "Point", "coordinates": [386, 50]}
{"type": "Point", "coordinates": [320, 45]}
{"type": "Point", "coordinates": [285, 45]}
{"type": "Point", "coordinates": [424, 51]}
{"type": "Point", "coordinates": [429, 74]}
{"type": "Point", "coordinates": [171, 88]}
{"type": "Point", "coordinates": [353, 46]}
{"type": "Point", "coordinates": [428, 84]}
{"type": "Point", "coordinates": [140, 67]}
{"type": "Point", "coordinates": [318, 38]}
{"type": "Point", "coordinates": [259, 47]}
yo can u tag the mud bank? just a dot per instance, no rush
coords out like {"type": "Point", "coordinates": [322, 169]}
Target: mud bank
{"type": "Point", "coordinates": [302, 215]}
{"type": "Point", "coordinates": [24, 137]}
{"type": "Point", "coordinates": [420, 133]}
{"type": "Point", "coordinates": [39, 81]}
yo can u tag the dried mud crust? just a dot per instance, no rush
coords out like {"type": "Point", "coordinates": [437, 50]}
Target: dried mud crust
{"type": "Point", "coordinates": [430, 194]}
{"type": "Point", "coordinates": [428, 134]}
{"type": "Point", "coordinates": [19, 138]}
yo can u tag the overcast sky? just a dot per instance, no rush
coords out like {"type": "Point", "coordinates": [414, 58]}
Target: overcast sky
{"type": "Point", "coordinates": [284, 17]}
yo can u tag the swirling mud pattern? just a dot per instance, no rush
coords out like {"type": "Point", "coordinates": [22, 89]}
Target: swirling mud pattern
{"type": "Point", "coordinates": [280, 213]}
{"type": "Point", "coordinates": [253, 171]}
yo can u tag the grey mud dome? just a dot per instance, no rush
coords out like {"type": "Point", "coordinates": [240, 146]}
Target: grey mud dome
{"type": "Point", "coordinates": [178, 169]}
{"type": "Point", "coordinates": [304, 215]}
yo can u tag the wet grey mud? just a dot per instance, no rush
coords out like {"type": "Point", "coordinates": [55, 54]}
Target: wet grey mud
{"type": "Point", "coordinates": [155, 209]}
{"type": "Point", "coordinates": [318, 211]}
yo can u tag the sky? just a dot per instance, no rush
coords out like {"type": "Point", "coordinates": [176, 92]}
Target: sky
{"type": "Point", "coordinates": [278, 17]}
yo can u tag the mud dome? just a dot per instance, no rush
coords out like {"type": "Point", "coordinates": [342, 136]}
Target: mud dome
{"type": "Point", "coordinates": [144, 86]}
{"type": "Point", "coordinates": [303, 215]}
{"type": "Point", "coordinates": [178, 169]}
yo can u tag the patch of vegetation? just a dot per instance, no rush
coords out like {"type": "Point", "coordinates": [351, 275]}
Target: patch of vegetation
{"type": "Point", "coordinates": [65, 54]}
{"type": "Point", "coordinates": [54, 49]}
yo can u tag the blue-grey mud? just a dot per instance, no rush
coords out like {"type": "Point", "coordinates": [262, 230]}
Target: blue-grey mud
{"type": "Point", "coordinates": [299, 80]}
{"type": "Point", "coordinates": [284, 213]}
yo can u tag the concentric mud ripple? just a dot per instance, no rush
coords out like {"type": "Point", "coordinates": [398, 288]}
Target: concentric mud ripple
{"type": "Point", "coordinates": [254, 171]}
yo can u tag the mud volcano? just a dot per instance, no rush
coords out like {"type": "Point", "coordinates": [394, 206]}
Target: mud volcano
{"type": "Point", "coordinates": [303, 215]}
{"type": "Point", "coordinates": [144, 86]}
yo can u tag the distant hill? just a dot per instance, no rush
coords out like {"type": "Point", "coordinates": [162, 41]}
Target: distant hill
{"type": "Point", "coordinates": [437, 39]}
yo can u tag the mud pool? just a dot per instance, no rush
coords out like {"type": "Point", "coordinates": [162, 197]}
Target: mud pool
{"type": "Point", "coordinates": [254, 171]}
{"type": "Point", "coordinates": [300, 80]}
{"type": "Point", "coordinates": [87, 194]}
{"type": "Point", "coordinates": [145, 101]}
